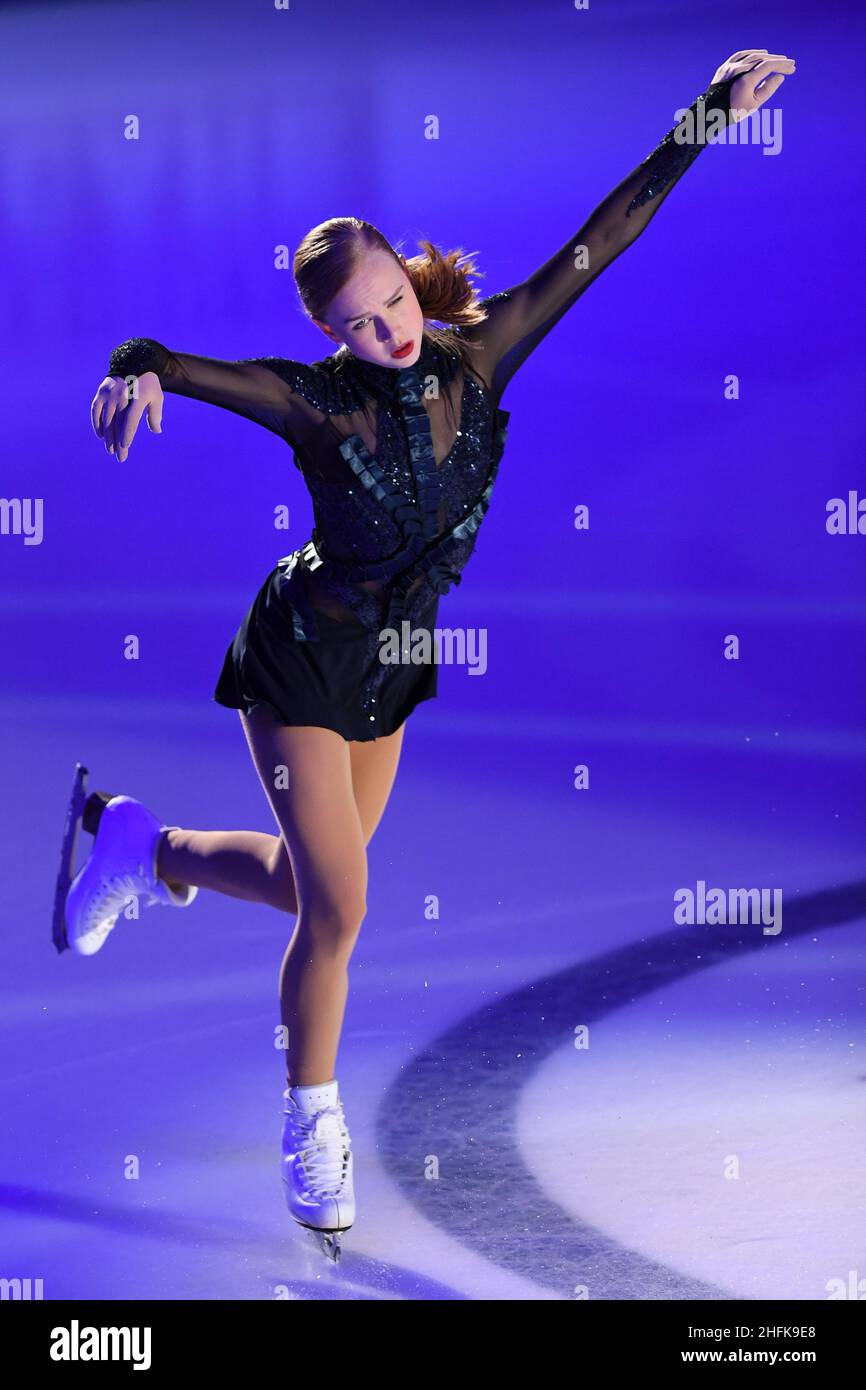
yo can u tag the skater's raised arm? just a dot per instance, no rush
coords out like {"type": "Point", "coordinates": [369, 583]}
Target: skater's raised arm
{"type": "Point", "coordinates": [520, 317]}
{"type": "Point", "coordinates": [265, 390]}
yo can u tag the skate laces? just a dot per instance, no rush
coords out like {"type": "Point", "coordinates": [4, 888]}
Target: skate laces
{"type": "Point", "coordinates": [114, 886]}
{"type": "Point", "coordinates": [323, 1151]}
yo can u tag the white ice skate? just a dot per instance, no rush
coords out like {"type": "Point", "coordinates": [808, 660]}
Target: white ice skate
{"type": "Point", "coordinates": [316, 1164]}
{"type": "Point", "coordinates": [121, 866]}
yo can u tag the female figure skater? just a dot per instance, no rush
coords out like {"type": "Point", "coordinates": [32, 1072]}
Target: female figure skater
{"type": "Point", "coordinates": [398, 436]}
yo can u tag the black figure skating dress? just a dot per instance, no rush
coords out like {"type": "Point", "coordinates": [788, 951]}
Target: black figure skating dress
{"type": "Point", "coordinates": [400, 464]}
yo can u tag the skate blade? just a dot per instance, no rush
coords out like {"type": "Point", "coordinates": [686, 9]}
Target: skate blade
{"type": "Point", "coordinates": [329, 1242]}
{"type": "Point", "coordinates": [82, 812]}
{"type": "Point", "coordinates": [74, 813]}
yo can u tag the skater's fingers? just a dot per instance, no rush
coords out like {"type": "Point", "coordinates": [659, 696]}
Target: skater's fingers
{"type": "Point", "coordinates": [771, 67]}
{"type": "Point", "coordinates": [111, 408]}
{"type": "Point", "coordinates": [115, 425]}
{"type": "Point", "coordinates": [96, 408]}
{"type": "Point", "coordinates": [118, 406]}
{"type": "Point", "coordinates": [154, 414]}
{"type": "Point", "coordinates": [126, 423]}
{"type": "Point", "coordinates": [759, 66]}
{"type": "Point", "coordinates": [769, 85]}
{"type": "Point", "coordinates": [121, 450]}
{"type": "Point", "coordinates": [752, 60]}
{"type": "Point", "coordinates": [108, 435]}
{"type": "Point", "coordinates": [115, 399]}
{"type": "Point", "coordinates": [100, 401]}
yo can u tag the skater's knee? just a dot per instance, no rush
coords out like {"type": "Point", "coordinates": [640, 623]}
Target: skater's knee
{"type": "Point", "coordinates": [333, 919]}
{"type": "Point", "coordinates": [335, 911]}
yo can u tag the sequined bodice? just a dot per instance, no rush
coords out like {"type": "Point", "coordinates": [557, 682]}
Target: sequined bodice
{"type": "Point", "coordinates": [397, 460]}
{"type": "Point", "coordinates": [350, 518]}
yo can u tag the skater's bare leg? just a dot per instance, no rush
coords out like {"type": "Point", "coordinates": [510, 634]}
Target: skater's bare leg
{"type": "Point", "coordinates": [254, 866]}
{"type": "Point", "coordinates": [245, 864]}
{"type": "Point", "coordinates": [321, 827]}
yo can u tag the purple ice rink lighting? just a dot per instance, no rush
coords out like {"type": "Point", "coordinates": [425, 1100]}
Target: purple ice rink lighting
{"type": "Point", "coordinates": [577, 1063]}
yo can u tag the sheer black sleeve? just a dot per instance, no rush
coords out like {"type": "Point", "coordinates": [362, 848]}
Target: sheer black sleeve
{"type": "Point", "coordinates": [269, 391]}
{"type": "Point", "coordinates": [520, 317]}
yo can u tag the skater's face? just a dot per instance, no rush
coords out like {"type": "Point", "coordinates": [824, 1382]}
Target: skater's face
{"type": "Point", "coordinates": [377, 312]}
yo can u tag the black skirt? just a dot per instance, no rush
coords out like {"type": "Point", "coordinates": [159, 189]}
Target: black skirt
{"type": "Point", "coordinates": [325, 683]}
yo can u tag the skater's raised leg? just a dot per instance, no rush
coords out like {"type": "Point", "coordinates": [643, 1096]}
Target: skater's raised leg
{"type": "Point", "coordinates": [255, 866]}
{"type": "Point", "coordinates": [248, 864]}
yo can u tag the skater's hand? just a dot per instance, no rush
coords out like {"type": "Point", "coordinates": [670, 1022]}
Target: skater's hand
{"type": "Point", "coordinates": [762, 73]}
{"type": "Point", "coordinates": [118, 406]}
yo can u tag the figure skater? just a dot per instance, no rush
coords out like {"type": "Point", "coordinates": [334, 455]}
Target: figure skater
{"type": "Point", "coordinates": [397, 435]}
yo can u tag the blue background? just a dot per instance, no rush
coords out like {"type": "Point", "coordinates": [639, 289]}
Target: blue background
{"type": "Point", "coordinates": [605, 647]}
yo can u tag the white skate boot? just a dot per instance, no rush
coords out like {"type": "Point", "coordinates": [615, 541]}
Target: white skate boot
{"type": "Point", "coordinates": [317, 1163]}
{"type": "Point", "coordinates": [122, 865]}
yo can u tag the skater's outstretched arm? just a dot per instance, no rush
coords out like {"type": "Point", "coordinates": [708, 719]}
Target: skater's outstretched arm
{"type": "Point", "coordinates": [265, 390]}
{"type": "Point", "coordinates": [520, 317]}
